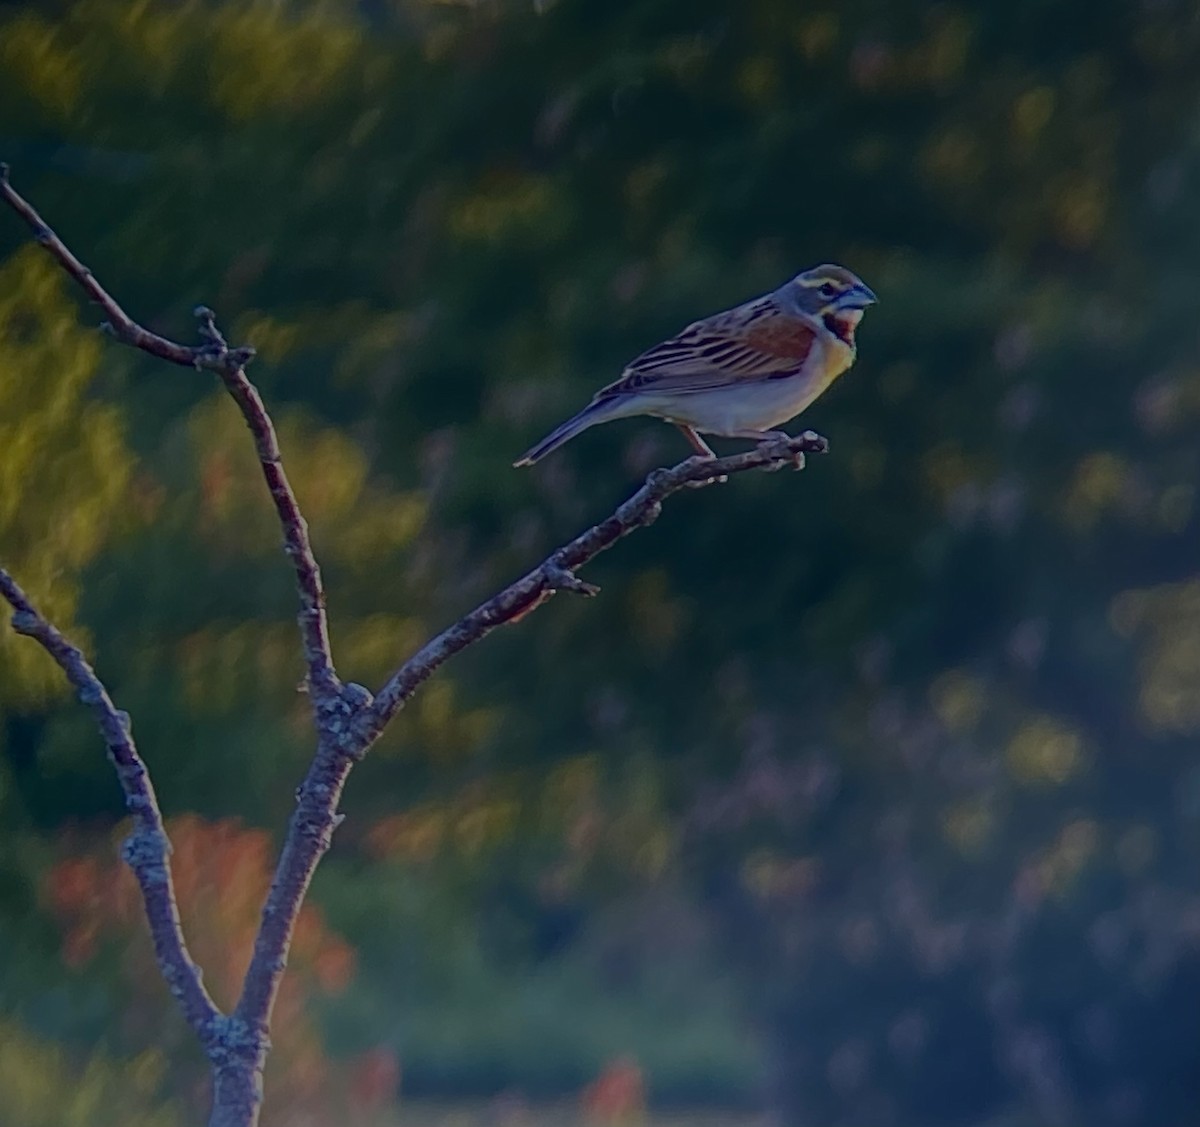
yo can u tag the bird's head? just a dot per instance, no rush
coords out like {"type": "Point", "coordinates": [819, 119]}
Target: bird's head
{"type": "Point", "coordinates": [833, 295]}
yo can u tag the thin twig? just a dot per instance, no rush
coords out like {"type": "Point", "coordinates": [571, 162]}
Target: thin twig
{"type": "Point", "coordinates": [323, 682]}
{"type": "Point", "coordinates": [146, 849]}
{"type": "Point", "coordinates": [230, 364]}
{"type": "Point", "coordinates": [557, 571]}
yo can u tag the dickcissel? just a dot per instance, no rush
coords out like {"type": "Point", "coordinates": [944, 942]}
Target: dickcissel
{"type": "Point", "coordinates": [740, 373]}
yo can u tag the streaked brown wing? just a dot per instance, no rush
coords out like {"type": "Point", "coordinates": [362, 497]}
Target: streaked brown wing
{"type": "Point", "coordinates": [757, 341]}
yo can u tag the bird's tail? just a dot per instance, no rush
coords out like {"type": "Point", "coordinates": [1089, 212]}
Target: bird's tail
{"type": "Point", "coordinates": [598, 411]}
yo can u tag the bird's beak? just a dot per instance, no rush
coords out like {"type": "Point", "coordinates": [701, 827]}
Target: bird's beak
{"type": "Point", "coordinates": [858, 298]}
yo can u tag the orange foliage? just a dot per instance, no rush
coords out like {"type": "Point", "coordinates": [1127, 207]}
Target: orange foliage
{"type": "Point", "coordinates": [222, 871]}
{"type": "Point", "coordinates": [374, 1080]}
{"type": "Point", "coordinates": [617, 1095]}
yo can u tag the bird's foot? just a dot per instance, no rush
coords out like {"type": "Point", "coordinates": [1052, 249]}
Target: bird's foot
{"type": "Point", "coordinates": [777, 444]}
{"type": "Point", "coordinates": [698, 462]}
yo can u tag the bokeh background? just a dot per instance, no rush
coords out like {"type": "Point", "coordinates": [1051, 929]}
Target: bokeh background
{"type": "Point", "coordinates": [863, 796]}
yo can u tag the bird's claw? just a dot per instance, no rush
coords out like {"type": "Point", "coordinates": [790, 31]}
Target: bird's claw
{"type": "Point", "coordinates": [780, 451]}
{"type": "Point", "coordinates": [700, 461]}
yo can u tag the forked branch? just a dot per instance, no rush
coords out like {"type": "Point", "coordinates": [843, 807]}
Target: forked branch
{"type": "Point", "coordinates": [230, 364]}
{"type": "Point", "coordinates": [347, 718]}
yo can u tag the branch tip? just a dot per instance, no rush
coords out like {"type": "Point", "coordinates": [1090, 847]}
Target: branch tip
{"type": "Point", "coordinates": [209, 330]}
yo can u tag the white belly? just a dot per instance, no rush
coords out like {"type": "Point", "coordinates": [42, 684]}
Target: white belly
{"type": "Point", "coordinates": [752, 405]}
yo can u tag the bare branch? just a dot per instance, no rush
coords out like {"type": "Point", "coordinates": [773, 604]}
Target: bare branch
{"type": "Point", "coordinates": [118, 323]}
{"type": "Point", "coordinates": [347, 719]}
{"type": "Point", "coordinates": [230, 364]}
{"type": "Point", "coordinates": [309, 835]}
{"type": "Point", "coordinates": [146, 849]}
{"type": "Point", "coordinates": [349, 730]}
{"type": "Point", "coordinates": [323, 682]}
{"type": "Point", "coordinates": [557, 571]}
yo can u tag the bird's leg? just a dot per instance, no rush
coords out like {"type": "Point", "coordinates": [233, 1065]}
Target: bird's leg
{"type": "Point", "coordinates": [703, 450]}
{"type": "Point", "coordinates": [695, 441]}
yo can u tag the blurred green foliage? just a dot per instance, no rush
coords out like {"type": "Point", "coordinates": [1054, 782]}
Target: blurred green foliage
{"type": "Point", "coordinates": [869, 793]}
{"type": "Point", "coordinates": [43, 1088]}
{"type": "Point", "coordinates": [54, 515]}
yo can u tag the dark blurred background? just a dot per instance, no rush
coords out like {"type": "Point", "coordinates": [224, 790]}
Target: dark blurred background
{"type": "Point", "coordinates": [863, 796]}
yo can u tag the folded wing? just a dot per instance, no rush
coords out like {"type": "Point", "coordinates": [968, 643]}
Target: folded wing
{"type": "Point", "coordinates": [756, 342]}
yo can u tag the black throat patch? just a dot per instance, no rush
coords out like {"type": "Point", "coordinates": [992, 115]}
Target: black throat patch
{"type": "Point", "coordinates": [843, 330]}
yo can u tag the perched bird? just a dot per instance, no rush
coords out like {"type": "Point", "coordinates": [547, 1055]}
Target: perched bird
{"type": "Point", "coordinates": [740, 373]}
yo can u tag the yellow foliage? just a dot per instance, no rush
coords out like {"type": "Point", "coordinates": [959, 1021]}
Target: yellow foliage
{"type": "Point", "coordinates": [1032, 111]}
{"type": "Point", "coordinates": [354, 522]}
{"type": "Point", "coordinates": [224, 666]}
{"type": "Point", "coordinates": [946, 469]}
{"type": "Point", "coordinates": [949, 46]}
{"type": "Point", "coordinates": [443, 728]}
{"type": "Point", "coordinates": [569, 784]}
{"type": "Point", "coordinates": [43, 1087]}
{"type": "Point", "coordinates": [480, 819]}
{"type": "Point", "coordinates": [954, 157]}
{"type": "Point", "coordinates": [644, 182]}
{"type": "Point", "coordinates": [1082, 208]}
{"type": "Point", "coordinates": [33, 52]}
{"type": "Point", "coordinates": [1167, 619]}
{"type": "Point", "coordinates": [64, 465]}
{"type": "Point", "coordinates": [158, 37]}
{"type": "Point", "coordinates": [768, 875]}
{"type": "Point", "coordinates": [485, 825]}
{"type": "Point", "coordinates": [1097, 486]}
{"type": "Point", "coordinates": [256, 59]}
{"type": "Point", "coordinates": [264, 59]}
{"type": "Point", "coordinates": [506, 204]}
{"type": "Point", "coordinates": [817, 35]}
{"type": "Point", "coordinates": [969, 825]}
{"type": "Point", "coordinates": [1045, 752]}
{"type": "Point", "coordinates": [958, 700]}
{"type": "Point", "coordinates": [654, 852]}
{"type": "Point", "coordinates": [274, 339]}
{"type": "Point", "coordinates": [686, 57]}
{"type": "Point", "coordinates": [759, 80]}
{"type": "Point", "coordinates": [1065, 859]}
{"type": "Point", "coordinates": [371, 647]}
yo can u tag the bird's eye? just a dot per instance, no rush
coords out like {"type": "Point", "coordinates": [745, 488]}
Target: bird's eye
{"type": "Point", "coordinates": [828, 290]}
